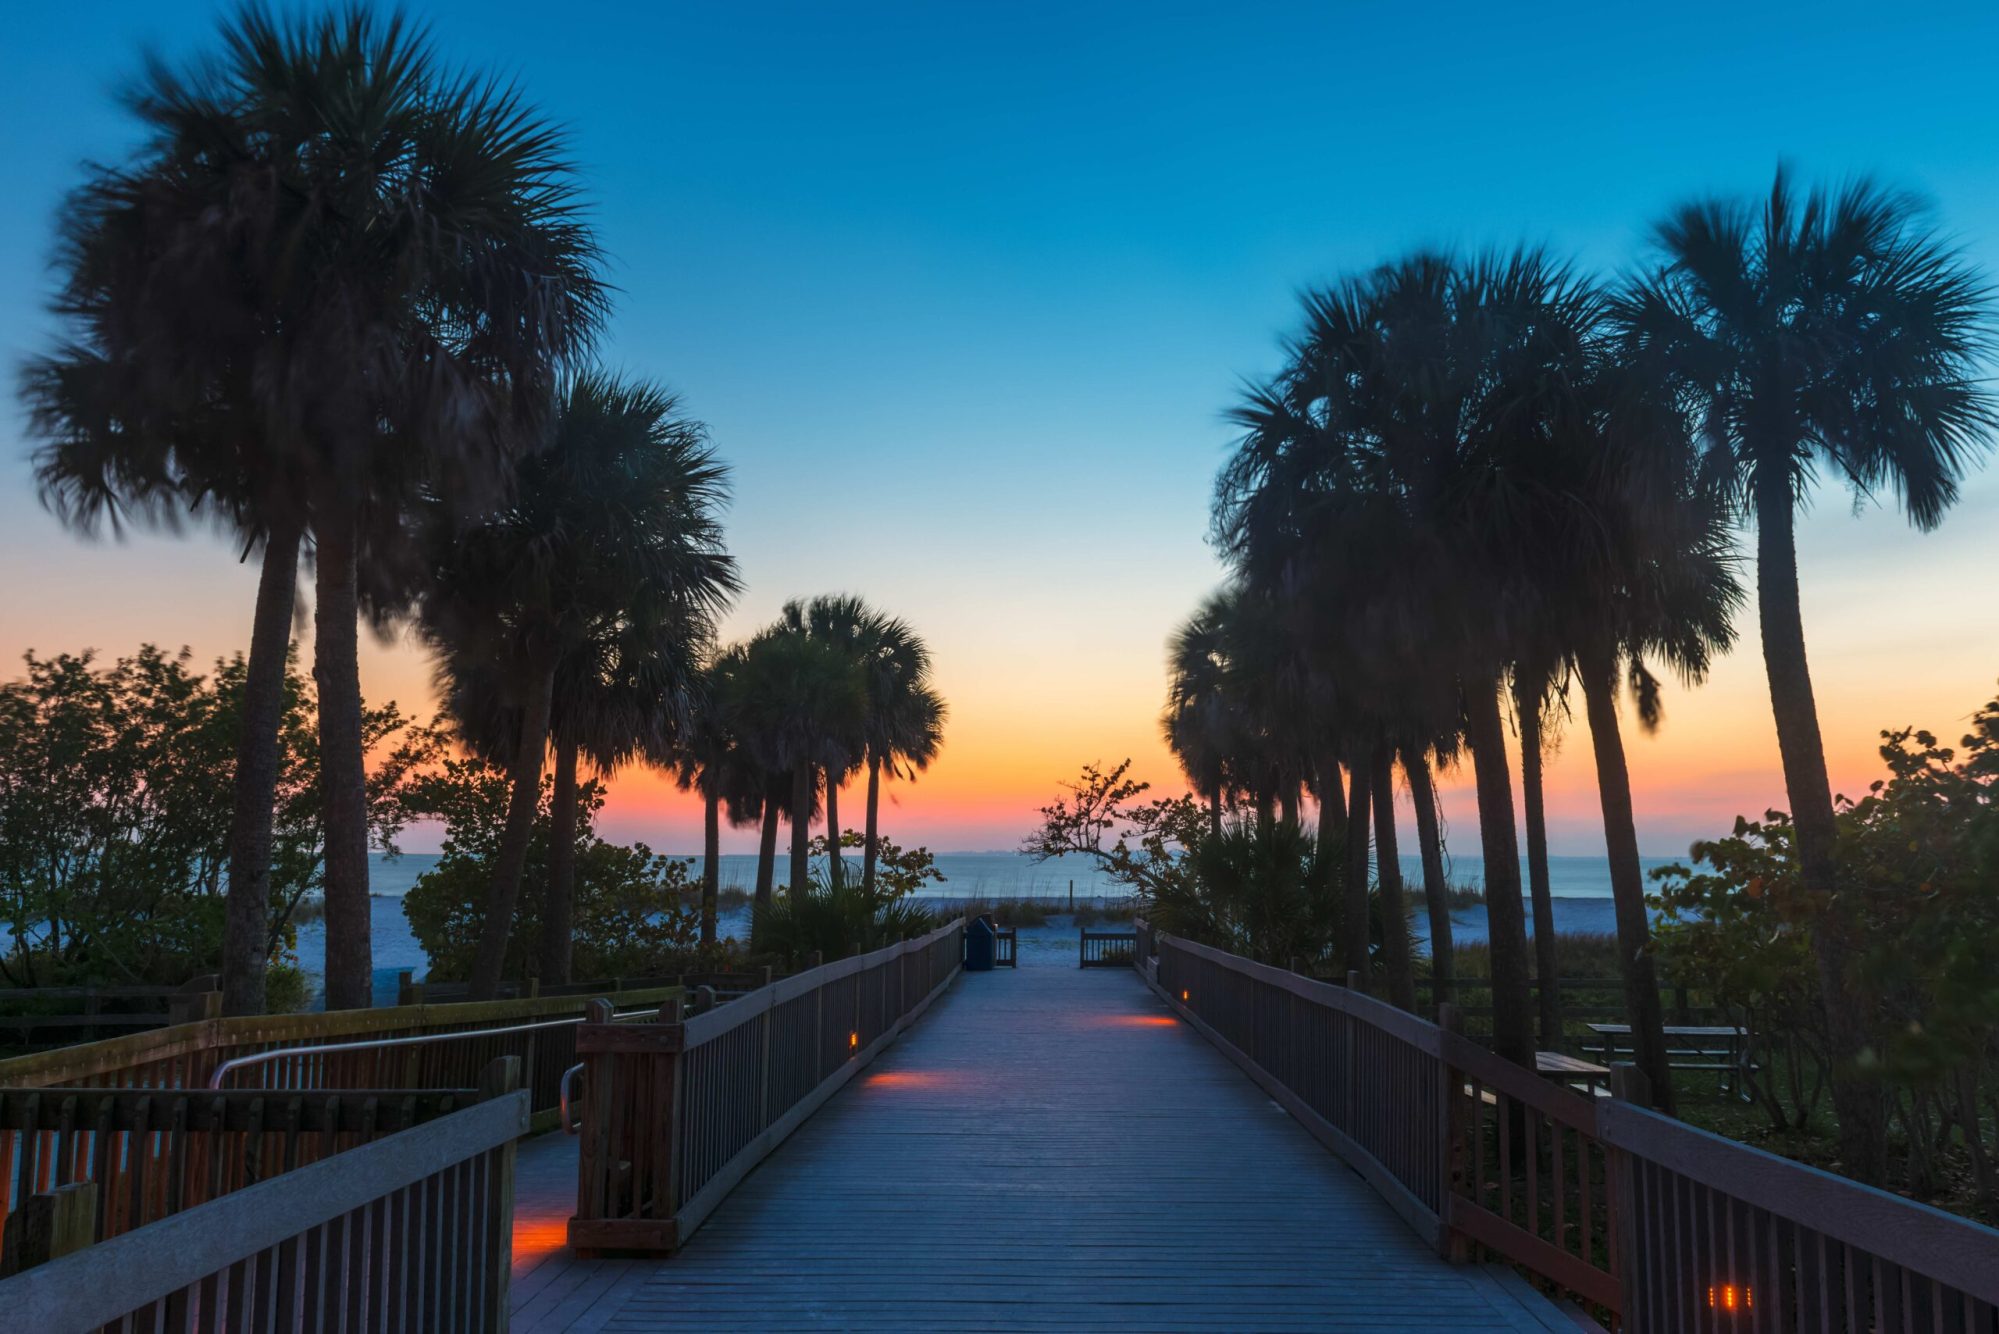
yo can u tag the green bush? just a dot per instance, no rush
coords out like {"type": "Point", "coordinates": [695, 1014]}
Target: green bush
{"type": "Point", "coordinates": [636, 913]}
{"type": "Point", "coordinates": [836, 923]}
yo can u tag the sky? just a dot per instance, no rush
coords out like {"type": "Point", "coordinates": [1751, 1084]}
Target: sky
{"type": "Point", "coordinates": [963, 290]}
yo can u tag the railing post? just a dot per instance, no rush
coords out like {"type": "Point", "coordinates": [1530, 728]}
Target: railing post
{"type": "Point", "coordinates": [1450, 1242]}
{"type": "Point", "coordinates": [50, 1225]}
{"type": "Point", "coordinates": [1627, 1084]}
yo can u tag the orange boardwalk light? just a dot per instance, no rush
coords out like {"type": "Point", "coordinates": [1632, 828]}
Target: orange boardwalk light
{"type": "Point", "coordinates": [1183, 995]}
{"type": "Point", "coordinates": [1730, 1298]}
{"type": "Point", "coordinates": [853, 1042]}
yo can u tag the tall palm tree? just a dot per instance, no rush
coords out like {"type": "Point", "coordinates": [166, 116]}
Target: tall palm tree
{"type": "Point", "coordinates": [362, 270]}
{"type": "Point", "coordinates": [905, 715]}
{"type": "Point", "coordinates": [800, 703]}
{"type": "Point", "coordinates": [610, 552]}
{"type": "Point", "coordinates": [1828, 330]}
{"type": "Point", "coordinates": [1535, 687]}
{"type": "Point", "coordinates": [710, 758]}
{"type": "Point", "coordinates": [1416, 768]}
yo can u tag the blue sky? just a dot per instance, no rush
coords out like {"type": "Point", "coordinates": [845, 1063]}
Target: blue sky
{"type": "Point", "coordinates": [963, 290]}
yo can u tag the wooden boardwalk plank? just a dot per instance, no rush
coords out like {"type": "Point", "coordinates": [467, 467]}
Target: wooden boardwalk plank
{"type": "Point", "coordinates": [1045, 1150]}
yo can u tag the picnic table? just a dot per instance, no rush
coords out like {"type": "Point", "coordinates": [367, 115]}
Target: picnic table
{"type": "Point", "coordinates": [1717, 1047]}
{"type": "Point", "coordinates": [1584, 1076]}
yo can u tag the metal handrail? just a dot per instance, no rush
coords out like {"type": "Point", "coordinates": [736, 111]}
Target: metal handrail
{"type": "Point", "coordinates": [569, 1078]}
{"type": "Point", "coordinates": [278, 1053]}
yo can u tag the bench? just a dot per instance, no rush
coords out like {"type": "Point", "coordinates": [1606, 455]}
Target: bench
{"type": "Point", "coordinates": [1718, 1048]}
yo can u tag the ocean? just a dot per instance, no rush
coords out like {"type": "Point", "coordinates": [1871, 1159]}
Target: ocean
{"type": "Point", "coordinates": [1580, 887]}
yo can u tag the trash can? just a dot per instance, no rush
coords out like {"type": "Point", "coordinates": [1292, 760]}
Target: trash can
{"type": "Point", "coordinates": [979, 937]}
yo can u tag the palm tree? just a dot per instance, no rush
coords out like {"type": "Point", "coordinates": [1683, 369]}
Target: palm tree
{"type": "Point", "coordinates": [905, 716]}
{"type": "Point", "coordinates": [1829, 330]}
{"type": "Point", "coordinates": [357, 272]}
{"type": "Point", "coordinates": [1536, 685]}
{"type": "Point", "coordinates": [608, 562]}
{"type": "Point", "coordinates": [1416, 768]}
{"type": "Point", "coordinates": [800, 702]}
{"type": "Point", "coordinates": [710, 758]}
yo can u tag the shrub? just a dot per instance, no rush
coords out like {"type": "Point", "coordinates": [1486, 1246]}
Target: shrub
{"type": "Point", "coordinates": [635, 911]}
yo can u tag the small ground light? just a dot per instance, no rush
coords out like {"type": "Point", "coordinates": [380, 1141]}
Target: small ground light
{"type": "Point", "coordinates": [853, 1042]}
{"type": "Point", "coordinates": [1183, 995]}
{"type": "Point", "coordinates": [1728, 1297]}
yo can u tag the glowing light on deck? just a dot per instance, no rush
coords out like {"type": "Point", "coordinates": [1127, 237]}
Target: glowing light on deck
{"type": "Point", "coordinates": [1728, 1297]}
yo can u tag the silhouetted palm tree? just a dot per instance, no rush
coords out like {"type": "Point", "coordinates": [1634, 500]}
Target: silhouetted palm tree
{"type": "Point", "coordinates": [710, 758]}
{"type": "Point", "coordinates": [1828, 330]}
{"type": "Point", "coordinates": [905, 716]}
{"type": "Point", "coordinates": [800, 702]}
{"type": "Point", "coordinates": [607, 566]}
{"type": "Point", "coordinates": [332, 276]}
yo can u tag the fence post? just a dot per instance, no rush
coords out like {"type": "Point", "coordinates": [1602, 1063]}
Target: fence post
{"type": "Point", "coordinates": [49, 1225]}
{"type": "Point", "coordinates": [1450, 1243]}
{"type": "Point", "coordinates": [1354, 983]}
{"type": "Point", "coordinates": [501, 1076]}
{"type": "Point", "coordinates": [1620, 1178]}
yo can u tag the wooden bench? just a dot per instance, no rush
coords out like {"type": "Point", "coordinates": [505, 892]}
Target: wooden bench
{"type": "Point", "coordinates": [1716, 1048]}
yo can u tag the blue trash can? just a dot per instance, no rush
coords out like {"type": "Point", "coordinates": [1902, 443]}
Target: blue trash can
{"type": "Point", "coordinates": [979, 946]}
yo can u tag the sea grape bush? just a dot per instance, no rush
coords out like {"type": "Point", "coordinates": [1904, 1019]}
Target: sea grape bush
{"type": "Point", "coordinates": [1919, 885]}
{"type": "Point", "coordinates": [636, 911]}
{"type": "Point", "coordinates": [115, 807]}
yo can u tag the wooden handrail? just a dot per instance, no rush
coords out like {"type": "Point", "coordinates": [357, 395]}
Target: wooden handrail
{"type": "Point", "coordinates": [676, 1113]}
{"type": "Point", "coordinates": [449, 1181]}
{"type": "Point", "coordinates": [337, 1049]}
{"type": "Point", "coordinates": [1645, 1218]}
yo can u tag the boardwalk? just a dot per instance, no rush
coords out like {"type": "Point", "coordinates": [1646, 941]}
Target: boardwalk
{"type": "Point", "coordinates": [1045, 1150]}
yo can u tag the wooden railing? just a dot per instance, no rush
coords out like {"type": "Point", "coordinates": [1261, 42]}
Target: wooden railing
{"type": "Point", "coordinates": [1107, 949]}
{"type": "Point", "coordinates": [727, 984]}
{"type": "Point", "coordinates": [35, 1016]}
{"type": "Point", "coordinates": [185, 1055]}
{"type": "Point", "coordinates": [675, 1114]}
{"type": "Point", "coordinates": [412, 1231]}
{"type": "Point", "coordinates": [149, 1154]}
{"type": "Point", "coordinates": [1637, 1218]}
{"type": "Point", "coordinates": [1721, 1236]}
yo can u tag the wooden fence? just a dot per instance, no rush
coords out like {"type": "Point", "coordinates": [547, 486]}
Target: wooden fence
{"type": "Point", "coordinates": [149, 1154]}
{"type": "Point", "coordinates": [409, 1232]}
{"type": "Point", "coordinates": [725, 984]}
{"type": "Point", "coordinates": [43, 1016]}
{"type": "Point", "coordinates": [1649, 1223]}
{"type": "Point", "coordinates": [1107, 949]}
{"type": "Point", "coordinates": [186, 1055]}
{"type": "Point", "coordinates": [675, 1114]}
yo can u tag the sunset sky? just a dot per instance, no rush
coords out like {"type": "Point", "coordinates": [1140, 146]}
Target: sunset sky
{"type": "Point", "coordinates": [962, 292]}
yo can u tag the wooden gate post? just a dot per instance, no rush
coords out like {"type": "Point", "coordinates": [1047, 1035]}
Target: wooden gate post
{"type": "Point", "coordinates": [1620, 1179]}
{"type": "Point", "coordinates": [1450, 1104]}
{"type": "Point", "coordinates": [630, 1132]}
{"type": "Point", "coordinates": [49, 1225]}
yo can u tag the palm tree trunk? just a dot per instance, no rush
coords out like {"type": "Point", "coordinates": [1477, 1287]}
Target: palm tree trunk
{"type": "Point", "coordinates": [1547, 969]}
{"type": "Point", "coordinates": [1354, 926]}
{"type": "Point", "coordinates": [1627, 877]}
{"type": "Point", "coordinates": [558, 918]}
{"type": "Point", "coordinates": [246, 943]}
{"type": "Point", "coordinates": [711, 860]}
{"type": "Point", "coordinates": [489, 961]}
{"type": "Point", "coordinates": [870, 848]}
{"type": "Point", "coordinates": [1287, 804]}
{"type": "Point", "coordinates": [1856, 1101]}
{"type": "Point", "coordinates": [1332, 802]}
{"type": "Point", "coordinates": [767, 854]}
{"type": "Point", "coordinates": [342, 776]}
{"type": "Point", "coordinates": [801, 828]}
{"type": "Point", "coordinates": [1423, 792]}
{"type": "Point", "coordinates": [1394, 909]}
{"type": "Point", "coordinates": [833, 867]}
{"type": "Point", "coordinates": [1215, 813]}
{"type": "Point", "coordinates": [1506, 917]}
